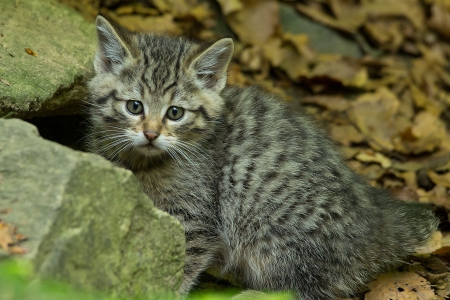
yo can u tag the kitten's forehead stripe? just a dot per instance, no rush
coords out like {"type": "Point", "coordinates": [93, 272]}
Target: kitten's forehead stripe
{"type": "Point", "coordinates": [104, 99]}
{"type": "Point", "coordinates": [141, 90]}
{"type": "Point", "coordinates": [177, 65]}
{"type": "Point", "coordinates": [202, 111]}
{"type": "Point", "coordinates": [162, 60]}
{"type": "Point", "coordinates": [167, 88]}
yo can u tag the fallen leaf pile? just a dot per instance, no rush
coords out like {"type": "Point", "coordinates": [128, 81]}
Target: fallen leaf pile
{"type": "Point", "coordinates": [388, 108]}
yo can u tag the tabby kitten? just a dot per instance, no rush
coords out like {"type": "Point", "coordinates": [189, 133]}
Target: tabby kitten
{"type": "Point", "coordinates": [258, 188]}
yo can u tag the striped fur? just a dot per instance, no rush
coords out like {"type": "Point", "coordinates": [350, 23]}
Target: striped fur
{"type": "Point", "coordinates": [259, 189]}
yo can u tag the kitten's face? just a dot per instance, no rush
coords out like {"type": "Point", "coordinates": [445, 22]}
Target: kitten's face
{"type": "Point", "coordinates": [154, 94]}
{"type": "Point", "coordinates": [154, 119]}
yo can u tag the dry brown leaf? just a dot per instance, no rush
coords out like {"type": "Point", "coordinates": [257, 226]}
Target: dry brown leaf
{"type": "Point", "coordinates": [137, 8]}
{"type": "Point", "coordinates": [345, 71]}
{"type": "Point", "coordinates": [400, 285]}
{"type": "Point", "coordinates": [17, 250]}
{"type": "Point", "coordinates": [440, 282]}
{"type": "Point", "coordinates": [409, 177]}
{"type": "Point", "coordinates": [291, 53]}
{"type": "Point", "coordinates": [349, 152]}
{"type": "Point", "coordinates": [8, 239]}
{"type": "Point", "coordinates": [330, 102]}
{"type": "Point", "coordinates": [434, 54]}
{"type": "Point", "coordinates": [426, 72]}
{"type": "Point", "coordinates": [229, 6]}
{"type": "Point", "coordinates": [436, 161]}
{"type": "Point", "coordinates": [203, 14]}
{"type": "Point", "coordinates": [444, 3]}
{"type": "Point", "coordinates": [411, 9]}
{"type": "Point", "coordinates": [370, 156]}
{"type": "Point", "coordinates": [445, 245]}
{"type": "Point", "coordinates": [325, 19]}
{"type": "Point", "coordinates": [346, 134]}
{"type": "Point", "coordinates": [235, 76]}
{"type": "Point", "coordinates": [439, 179]}
{"type": "Point", "coordinates": [178, 8]}
{"type": "Point", "coordinates": [31, 52]}
{"type": "Point", "coordinates": [440, 19]}
{"type": "Point", "coordinates": [349, 13]}
{"type": "Point", "coordinates": [273, 52]}
{"type": "Point", "coordinates": [164, 23]}
{"type": "Point", "coordinates": [301, 44]}
{"type": "Point", "coordinates": [392, 183]}
{"type": "Point", "coordinates": [294, 64]}
{"type": "Point", "coordinates": [124, 10]}
{"type": "Point", "coordinates": [387, 35]}
{"type": "Point", "coordinates": [392, 73]}
{"type": "Point", "coordinates": [425, 135]}
{"type": "Point", "coordinates": [422, 101]}
{"type": "Point", "coordinates": [374, 115]}
{"type": "Point", "coordinates": [252, 58]}
{"type": "Point", "coordinates": [349, 17]}
{"type": "Point", "coordinates": [6, 236]}
{"type": "Point", "coordinates": [438, 195]}
{"type": "Point", "coordinates": [371, 172]}
{"type": "Point", "coordinates": [248, 25]}
{"type": "Point", "coordinates": [425, 121]}
{"type": "Point", "coordinates": [435, 263]}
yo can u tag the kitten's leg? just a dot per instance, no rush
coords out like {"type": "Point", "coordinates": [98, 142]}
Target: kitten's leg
{"type": "Point", "coordinates": [195, 264]}
{"type": "Point", "coordinates": [200, 251]}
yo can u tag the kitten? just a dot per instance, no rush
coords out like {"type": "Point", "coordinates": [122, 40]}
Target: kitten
{"type": "Point", "coordinates": [259, 189]}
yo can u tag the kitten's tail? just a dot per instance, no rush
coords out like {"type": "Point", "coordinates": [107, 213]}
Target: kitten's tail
{"type": "Point", "coordinates": [415, 224]}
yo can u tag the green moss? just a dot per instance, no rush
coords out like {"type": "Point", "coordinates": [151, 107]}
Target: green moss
{"type": "Point", "coordinates": [65, 45]}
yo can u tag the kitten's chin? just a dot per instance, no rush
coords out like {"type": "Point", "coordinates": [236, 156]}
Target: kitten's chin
{"type": "Point", "coordinates": [149, 150]}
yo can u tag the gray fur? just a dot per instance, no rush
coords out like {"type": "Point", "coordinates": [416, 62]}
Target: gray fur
{"type": "Point", "coordinates": [260, 190]}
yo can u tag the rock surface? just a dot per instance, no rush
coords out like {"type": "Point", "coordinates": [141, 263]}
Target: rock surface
{"type": "Point", "coordinates": [53, 82]}
{"type": "Point", "coordinates": [88, 222]}
{"type": "Point", "coordinates": [322, 38]}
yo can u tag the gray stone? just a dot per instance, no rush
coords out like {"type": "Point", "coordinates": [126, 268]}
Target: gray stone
{"type": "Point", "coordinates": [88, 222]}
{"type": "Point", "coordinates": [53, 82]}
{"type": "Point", "coordinates": [322, 38]}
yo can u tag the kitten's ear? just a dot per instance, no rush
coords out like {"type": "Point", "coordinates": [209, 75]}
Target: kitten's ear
{"type": "Point", "coordinates": [210, 66]}
{"type": "Point", "coordinates": [112, 51]}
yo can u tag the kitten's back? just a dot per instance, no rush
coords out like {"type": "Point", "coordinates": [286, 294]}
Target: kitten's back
{"type": "Point", "coordinates": [293, 209]}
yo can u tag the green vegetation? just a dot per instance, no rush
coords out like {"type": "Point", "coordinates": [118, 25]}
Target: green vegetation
{"type": "Point", "coordinates": [16, 283]}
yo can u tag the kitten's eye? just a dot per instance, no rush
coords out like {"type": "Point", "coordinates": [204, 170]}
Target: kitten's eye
{"type": "Point", "coordinates": [175, 113]}
{"type": "Point", "coordinates": [135, 107]}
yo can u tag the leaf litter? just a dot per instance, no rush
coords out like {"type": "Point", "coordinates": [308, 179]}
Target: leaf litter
{"type": "Point", "coordinates": [388, 109]}
{"type": "Point", "coordinates": [9, 238]}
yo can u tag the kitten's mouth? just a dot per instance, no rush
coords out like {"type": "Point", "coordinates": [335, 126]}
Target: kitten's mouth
{"type": "Point", "coordinates": [149, 146]}
{"type": "Point", "coordinates": [149, 149]}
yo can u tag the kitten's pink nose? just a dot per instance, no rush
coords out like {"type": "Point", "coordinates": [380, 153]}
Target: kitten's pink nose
{"type": "Point", "coordinates": [151, 135]}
